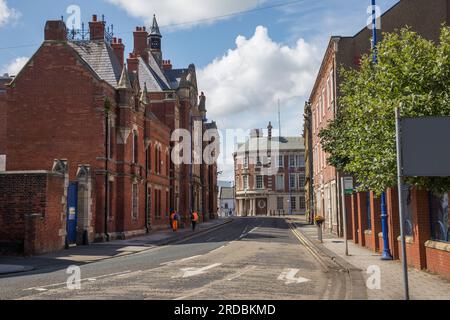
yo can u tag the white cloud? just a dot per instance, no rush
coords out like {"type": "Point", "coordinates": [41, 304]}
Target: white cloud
{"type": "Point", "coordinates": [244, 85]}
{"type": "Point", "coordinates": [15, 66]}
{"type": "Point", "coordinates": [248, 80]}
{"type": "Point", "coordinates": [7, 14]}
{"type": "Point", "coordinates": [182, 11]}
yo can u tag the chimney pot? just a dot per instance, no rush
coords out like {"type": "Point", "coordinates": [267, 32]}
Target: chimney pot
{"type": "Point", "coordinates": [120, 40]}
{"type": "Point", "coordinates": [94, 18]}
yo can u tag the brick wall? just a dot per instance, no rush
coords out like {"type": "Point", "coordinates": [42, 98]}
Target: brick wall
{"type": "Point", "coordinates": [60, 94]}
{"type": "Point", "coordinates": [2, 124]}
{"type": "Point", "coordinates": [438, 260]}
{"type": "Point", "coordinates": [32, 213]}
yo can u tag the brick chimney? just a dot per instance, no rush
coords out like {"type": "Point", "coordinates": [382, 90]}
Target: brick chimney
{"type": "Point", "coordinates": [55, 30]}
{"type": "Point", "coordinates": [141, 43]}
{"type": "Point", "coordinates": [119, 49]}
{"type": "Point", "coordinates": [96, 29]}
{"type": "Point", "coordinates": [133, 63]}
{"type": "Point", "coordinates": [167, 65]}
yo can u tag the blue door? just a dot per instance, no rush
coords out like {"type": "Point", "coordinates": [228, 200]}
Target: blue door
{"type": "Point", "coordinates": [72, 211]}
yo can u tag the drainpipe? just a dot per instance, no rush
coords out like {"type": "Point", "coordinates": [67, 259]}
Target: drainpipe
{"type": "Point", "coordinates": [147, 230]}
{"type": "Point", "coordinates": [106, 204]}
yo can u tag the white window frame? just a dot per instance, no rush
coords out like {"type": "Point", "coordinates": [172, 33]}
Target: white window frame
{"type": "Point", "coordinates": [291, 163]}
{"type": "Point", "coordinates": [293, 203]}
{"type": "Point", "coordinates": [322, 98]}
{"type": "Point", "coordinates": [292, 178]}
{"type": "Point", "coordinates": [302, 202]}
{"type": "Point", "coordinates": [301, 178]}
{"type": "Point", "coordinates": [277, 185]}
{"type": "Point", "coordinates": [331, 77]}
{"type": "Point", "coordinates": [257, 182]}
{"type": "Point", "coordinates": [280, 160]}
{"type": "Point", "coordinates": [245, 182]}
{"type": "Point", "coordinates": [280, 200]}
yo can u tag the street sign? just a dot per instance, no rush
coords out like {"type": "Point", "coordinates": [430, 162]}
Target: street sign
{"type": "Point", "coordinates": [425, 146]}
{"type": "Point", "coordinates": [348, 185]}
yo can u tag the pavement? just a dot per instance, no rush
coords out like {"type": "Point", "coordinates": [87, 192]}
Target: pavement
{"type": "Point", "coordinates": [103, 250]}
{"type": "Point", "coordinates": [247, 258]}
{"type": "Point", "coordinates": [364, 263]}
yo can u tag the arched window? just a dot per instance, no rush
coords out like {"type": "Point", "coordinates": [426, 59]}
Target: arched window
{"type": "Point", "coordinates": [156, 159]}
{"type": "Point", "coordinates": [135, 146]}
{"type": "Point", "coordinates": [149, 155]}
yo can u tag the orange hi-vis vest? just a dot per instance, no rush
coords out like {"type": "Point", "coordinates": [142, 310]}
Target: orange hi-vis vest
{"type": "Point", "coordinates": [195, 216]}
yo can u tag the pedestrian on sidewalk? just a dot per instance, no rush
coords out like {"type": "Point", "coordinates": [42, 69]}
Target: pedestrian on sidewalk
{"type": "Point", "coordinates": [174, 217]}
{"type": "Point", "coordinates": [194, 219]}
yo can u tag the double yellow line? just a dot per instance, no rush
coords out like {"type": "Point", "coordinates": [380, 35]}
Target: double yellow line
{"type": "Point", "coordinates": [301, 238]}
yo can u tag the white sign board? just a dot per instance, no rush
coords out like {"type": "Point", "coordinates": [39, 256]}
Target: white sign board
{"type": "Point", "coordinates": [2, 162]}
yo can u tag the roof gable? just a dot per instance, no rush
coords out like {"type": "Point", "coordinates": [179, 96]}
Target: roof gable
{"type": "Point", "coordinates": [101, 59]}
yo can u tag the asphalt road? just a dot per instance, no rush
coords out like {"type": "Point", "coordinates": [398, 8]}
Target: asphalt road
{"type": "Point", "coordinates": [249, 258]}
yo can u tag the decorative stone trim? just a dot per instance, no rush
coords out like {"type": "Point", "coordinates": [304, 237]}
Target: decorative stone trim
{"type": "Point", "coordinates": [443, 246]}
{"type": "Point", "coordinates": [408, 239]}
{"type": "Point", "coordinates": [368, 232]}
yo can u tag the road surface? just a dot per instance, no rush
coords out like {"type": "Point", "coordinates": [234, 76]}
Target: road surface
{"type": "Point", "coordinates": [249, 258]}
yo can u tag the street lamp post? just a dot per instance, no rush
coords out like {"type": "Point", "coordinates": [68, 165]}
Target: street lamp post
{"type": "Point", "coordinates": [384, 223]}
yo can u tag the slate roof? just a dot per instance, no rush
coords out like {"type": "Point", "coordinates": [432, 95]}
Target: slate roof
{"type": "Point", "coordinates": [152, 75]}
{"type": "Point", "coordinates": [101, 58]}
{"type": "Point", "coordinates": [4, 80]}
{"type": "Point", "coordinates": [174, 76]}
{"type": "Point", "coordinates": [211, 125]}
{"type": "Point", "coordinates": [277, 143]}
{"type": "Point", "coordinates": [227, 193]}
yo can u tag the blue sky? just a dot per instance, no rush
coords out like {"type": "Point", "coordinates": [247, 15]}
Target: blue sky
{"type": "Point", "coordinates": [198, 44]}
{"type": "Point", "coordinates": [245, 62]}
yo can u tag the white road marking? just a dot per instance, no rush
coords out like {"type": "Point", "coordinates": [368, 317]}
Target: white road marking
{"type": "Point", "coordinates": [129, 273]}
{"type": "Point", "coordinates": [87, 279]}
{"type": "Point", "coordinates": [180, 260]}
{"type": "Point", "coordinates": [288, 275]}
{"type": "Point", "coordinates": [191, 294]}
{"type": "Point", "coordinates": [217, 249]}
{"type": "Point", "coordinates": [190, 272]}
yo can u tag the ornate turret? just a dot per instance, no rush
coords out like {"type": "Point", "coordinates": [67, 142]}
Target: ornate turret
{"type": "Point", "coordinates": [155, 41]}
{"type": "Point", "coordinates": [124, 82]}
{"type": "Point", "coordinates": [125, 88]}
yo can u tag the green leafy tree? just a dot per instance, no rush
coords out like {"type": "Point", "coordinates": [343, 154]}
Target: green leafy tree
{"type": "Point", "coordinates": [412, 73]}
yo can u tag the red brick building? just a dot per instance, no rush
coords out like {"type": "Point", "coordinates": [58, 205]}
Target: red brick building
{"type": "Point", "coordinates": [111, 123]}
{"type": "Point", "coordinates": [425, 249]}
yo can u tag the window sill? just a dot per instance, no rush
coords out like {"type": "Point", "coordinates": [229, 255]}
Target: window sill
{"type": "Point", "coordinates": [438, 245]}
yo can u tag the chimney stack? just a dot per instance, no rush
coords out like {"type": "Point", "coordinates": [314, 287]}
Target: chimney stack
{"type": "Point", "coordinates": [167, 65]}
{"type": "Point", "coordinates": [141, 43]}
{"type": "Point", "coordinates": [133, 63]}
{"type": "Point", "coordinates": [119, 49]}
{"type": "Point", "coordinates": [96, 29]}
{"type": "Point", "coordinates": [55, 30]}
